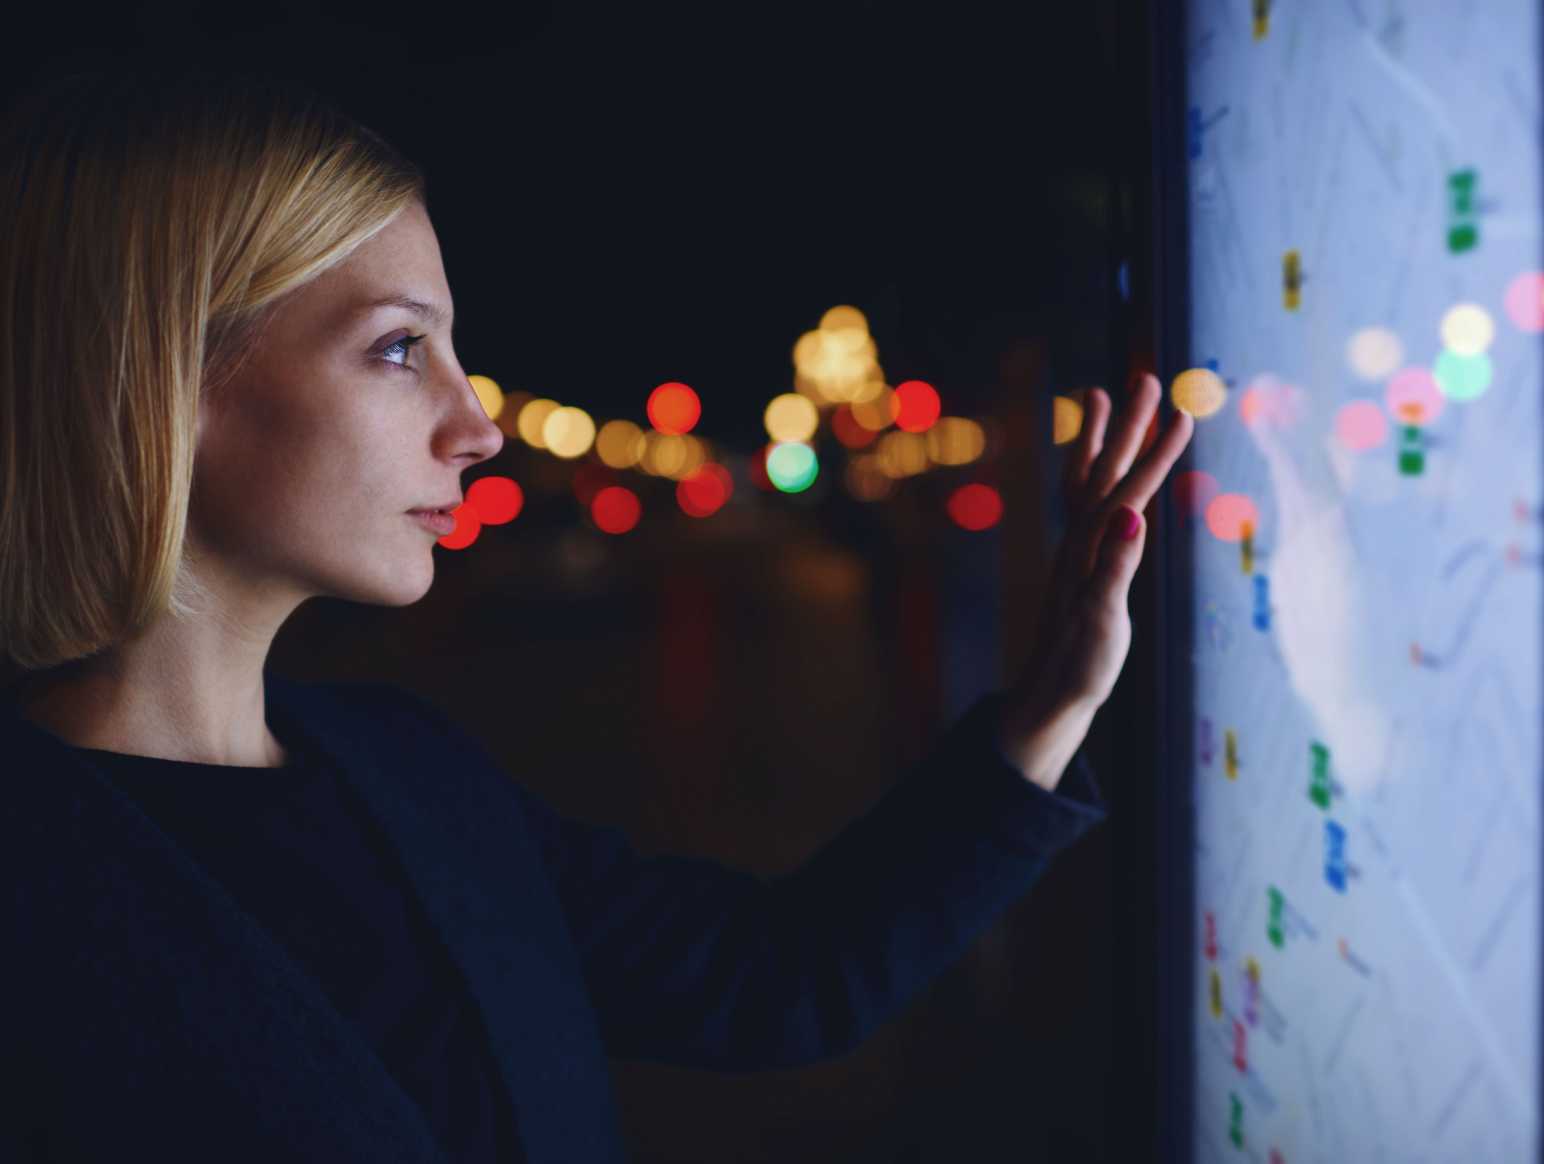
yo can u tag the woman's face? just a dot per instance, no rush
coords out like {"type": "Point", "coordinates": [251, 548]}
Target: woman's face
{"type": "Point", "coordinates": [310, 458]}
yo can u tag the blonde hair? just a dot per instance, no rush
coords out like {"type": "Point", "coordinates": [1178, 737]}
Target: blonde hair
{"type": "Point", "coordinates": [153, 219]}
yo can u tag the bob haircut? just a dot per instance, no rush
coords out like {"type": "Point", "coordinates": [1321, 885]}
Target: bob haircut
{"type": "Point", "coordinates": [153, 219]}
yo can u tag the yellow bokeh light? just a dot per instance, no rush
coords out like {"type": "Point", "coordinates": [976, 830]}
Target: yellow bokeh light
{"type": "Point", "coordinates": [1374, 353]}
{"type": "Point", "coordinates": [568, 432]}
{"type": "Point", "coordinates": [955, 440]}
{"type": "Point", "coordinates": [791, 417]}
{"type": "Point", "coordinates": [1467, 329]}
{"type": "Point", "coordinates": [902, 454]}
{"type": "Point", "coordinates": [619, 444]}
{"type": "Point", "coordinates": [844, 318]}
{"type": "Point", "coordinates": [1198, 391]}
{"type": "Point", "coordinates": [532, 419]}
{"type": "Point", "coordinates": [508, 418]}
{"type": "Point", "coordinates": [665, 454]}
{"type": "Point", "coordinates": [1066, 420]}
{"type": "Point", "coordinates": [489, 394]}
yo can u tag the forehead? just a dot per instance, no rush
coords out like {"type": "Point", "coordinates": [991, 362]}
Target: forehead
{"type": "Point", "coordinates": [399, 268]}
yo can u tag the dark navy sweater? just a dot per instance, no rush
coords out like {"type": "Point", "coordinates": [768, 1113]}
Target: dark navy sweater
{"type": "Point", "coordinates": [390, 950]}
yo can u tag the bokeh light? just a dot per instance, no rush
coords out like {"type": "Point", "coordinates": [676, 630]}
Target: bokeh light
{"type": "Point", "coordinates": [955, 440]}
{"type": "Point", "coordinates": [1462, 377]}
{"type": "Point", "coordinates": [568, 432]}
{"type": "Point", "coordinates": [1198, 391]}
{"type": "Point", "coordinates": [489, 395]}
{"type": "Point", "coordinates": [673, 408]}
{"type": "Point", "coordinates": [1361, 425]}
{"type": "Point", "coordinates": [1467, 330]}
{"type": "Point", "coordinates": [792, 467]}
{"type": "Point", "coordinates": [532, 417]}
{"type": "Point", "coordinates": [495, 500]}
{"type": "Point", "coordinates": [620, 444]}
{"type": "Point", "coordinates": [878, 413]}
{"type": "Point", "coordinates": [902, 454]}
{"type": "Point", "coordinates": [1066, 420]}
{"type": "Point", "coordinates": [615, 510]}
{"type": "Point", "coordinates": [1228, 513]}
{"type": "Point", "coordinates": [1374, 353]}
{"type": "Point", "coordinates": [791, 417]}
{"type": "Point", "coordinates": [1413, 397]}
{"type": "Point", "coordinates": [1525, 301]}
{"type": "Point", "coordinates": [975, 507]}
{"type": "Point", "coordinates": [847, 429]}
{"type": "Point", "coordinates": [919, 406]}
{"type": "Point", "coordinates": [704, 491]}
{"type": "Point", "coordinates": [467, 528]}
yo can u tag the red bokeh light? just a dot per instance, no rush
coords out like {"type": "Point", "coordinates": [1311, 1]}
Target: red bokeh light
{"type": "Point", "coordinates": [704, 491]}
{"type": "Point", "coordinates": [674, 408]}
{"type": "Point", "coordinates": [495, 500]}
{"type": "Point", "coordinates": [975, 507]}
{"type": "Point", "coordinates": [919, 406]}
{"type": "Point", "coordinates": [616, 509]}
{"type": "Point", "coordinates": [468, 526]}
{"type": "Point", "coordinates": [757, 469]}
{"type": "Point", "coordinates": [849, 431]}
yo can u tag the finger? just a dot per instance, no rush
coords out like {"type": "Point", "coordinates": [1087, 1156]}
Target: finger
{"type": "Point", "coordinates": [1146, 479]}
{"type": "Point", "coordinates": [1096, 411]}
{"type": "Point", "coordinates": [1116, 459]}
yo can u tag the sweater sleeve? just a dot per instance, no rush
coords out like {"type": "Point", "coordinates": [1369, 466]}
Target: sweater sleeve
{"type": "Point", "coordinates": [692, 963]}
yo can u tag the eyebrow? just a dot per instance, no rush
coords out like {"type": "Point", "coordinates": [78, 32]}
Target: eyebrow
{"type": "Point", "coordinates": [433, 312]}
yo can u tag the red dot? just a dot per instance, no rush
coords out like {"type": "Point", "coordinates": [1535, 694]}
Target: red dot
{"type": "Point", "coordinates": [975, 507]}
{"type": "Point", "coordinates": [758, 469]}
{"type": "Point", "coordinates": [919, 406]}
{"type": "Point", "coordinates": [468, 526]}
{"type": "Point", "coordinates": [495, 500]}
{"type": "Point", "coordinates": [615, 509]}
{"type": "Point", "coordinates": [673, 408]}
{"type": "Point", "coordinates": [704, 491]}
{"type": "Point", "coordinates": [849, 431]}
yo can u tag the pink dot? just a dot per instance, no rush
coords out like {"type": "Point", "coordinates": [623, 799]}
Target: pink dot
{"type": "Point", "coordinates": [1413, 396]}
{"type": "Point", "coordinates": [1525, 300]}
{"type": "Point", "coordinates": [1361, 425]}
{"type": "Point", "coordinates": [1228, 514]}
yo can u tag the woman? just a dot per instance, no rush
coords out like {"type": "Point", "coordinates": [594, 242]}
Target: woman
{"type": "Point", "coordinates": [258, 919]}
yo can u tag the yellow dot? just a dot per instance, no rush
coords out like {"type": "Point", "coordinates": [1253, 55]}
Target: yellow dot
{"type": "Point", "coordinates": [844, 318]}
{"type": "Point", "coordinates": [955, 440]}
{"type": "Point", "coordinates": [619, 444]}
{"type": "Point", "coordinates": [1375, 353]}
{"type": "Point", "coordinates": [1467, 329]}
{"type": "Point", "coordinates": [1066, 420]}
{"type": "Point", "coordinates": [568, 432]}
{"type": "Point", "coordinates": [1198, 391]}
{"type": "Point", "coordinates": [532, 417]}
{"type": "Point", "coordinates": [791, 417]}
{"type": "Point", "coordinates": [489, 394]}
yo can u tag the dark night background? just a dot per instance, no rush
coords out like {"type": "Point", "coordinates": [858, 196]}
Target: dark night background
{"type": "Point", "coordinates": [628, 194]}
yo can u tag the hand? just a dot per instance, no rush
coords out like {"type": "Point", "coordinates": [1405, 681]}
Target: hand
{"type": "Point", "coordinates": [1085, 629]}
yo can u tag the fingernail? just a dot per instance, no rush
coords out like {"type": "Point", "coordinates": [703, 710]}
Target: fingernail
{"type": "Point", "coordinates": [1127, 522]}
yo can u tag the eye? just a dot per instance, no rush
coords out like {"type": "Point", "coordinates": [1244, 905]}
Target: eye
{"type": "Point", "coordinates": [405, 343]}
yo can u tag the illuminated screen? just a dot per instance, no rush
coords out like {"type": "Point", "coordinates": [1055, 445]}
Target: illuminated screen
{"type": "Point", "coordinates": [1365, 520]}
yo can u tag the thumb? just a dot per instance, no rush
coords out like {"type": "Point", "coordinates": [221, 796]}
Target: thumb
{"type": "Point", "coordinates": [1120, 553]}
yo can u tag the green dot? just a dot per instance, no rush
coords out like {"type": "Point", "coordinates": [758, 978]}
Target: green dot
{"type": "Point", "coordinates": [1462, 377]}
{"type": "Point", "coordinates": [792, 466]}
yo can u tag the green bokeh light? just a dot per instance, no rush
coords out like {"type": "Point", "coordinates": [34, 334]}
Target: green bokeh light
{"type": "Point", "coordinates": [791, 466]}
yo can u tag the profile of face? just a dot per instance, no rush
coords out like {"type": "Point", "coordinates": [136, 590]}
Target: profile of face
{"type": "Point", "coordinates": [346, 416]}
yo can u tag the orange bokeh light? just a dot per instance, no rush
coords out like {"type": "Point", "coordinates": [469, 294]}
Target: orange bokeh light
{"type": "Point", "coordinates": [674, 408]}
